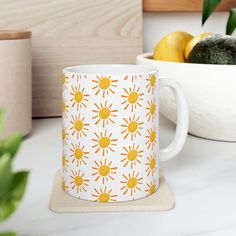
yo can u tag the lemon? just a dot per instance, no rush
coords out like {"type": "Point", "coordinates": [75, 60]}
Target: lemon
{"type": "Point", "coordinates": [193, 42]}
{"type": "Point", "coordinates": [172, 47]}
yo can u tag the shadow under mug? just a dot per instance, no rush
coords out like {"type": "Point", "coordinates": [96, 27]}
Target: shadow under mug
{"type": "Point", "coordinates": [110, 131]}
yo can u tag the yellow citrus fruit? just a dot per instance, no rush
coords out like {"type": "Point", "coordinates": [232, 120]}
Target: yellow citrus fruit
{"type": "Point", "coordinates": [193, 42]}
{"type": "Point", "coordinates": [172, 47]}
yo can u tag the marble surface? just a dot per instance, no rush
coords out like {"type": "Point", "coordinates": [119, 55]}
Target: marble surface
{"type": "Point", "coordinates": [202, 178]}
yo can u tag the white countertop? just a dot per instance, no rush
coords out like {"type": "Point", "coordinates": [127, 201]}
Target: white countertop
{"type": "Point", "coordinates": [202, 178]}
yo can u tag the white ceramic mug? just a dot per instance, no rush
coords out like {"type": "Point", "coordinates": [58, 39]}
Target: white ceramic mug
{"type": "Point", "coordinates": [110, 131]}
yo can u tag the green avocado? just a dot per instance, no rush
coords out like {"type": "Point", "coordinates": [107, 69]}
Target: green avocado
{"type": "Point", "coordinates": [215, 49]}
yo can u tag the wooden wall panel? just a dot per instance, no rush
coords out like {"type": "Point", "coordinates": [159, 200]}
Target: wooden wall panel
{"type": "Point", "coordinates": [182, 5]}
{"type": "Point", "coordinates": [73, 32]}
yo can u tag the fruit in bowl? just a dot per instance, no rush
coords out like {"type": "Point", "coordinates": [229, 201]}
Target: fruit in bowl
{"type": "Point", "coordinates": [209, 88]}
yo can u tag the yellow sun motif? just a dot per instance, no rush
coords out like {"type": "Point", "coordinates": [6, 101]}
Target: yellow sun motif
{"type": "Point", "coordinates": [151, 82]}
{"type": "Point", "coordinates": [78, 154]}
{"type": "Point", "coordinates": [64, 135]}
{"type": "Point", "coordinates": [133, 77]}
{"type": "Point", "coordinates": [151, 187]}
{"type": "Point", "coordinates": [151, 110]}
{"type": "Point", "coordinates": [132, 155]}
{"type": "Point", "coordinates": [104, 170]}
{"type": "Point", "coordinates": [132, 98]}
{"type": "Point", "coordinates": [79, 127]}
{"type": "Point", "coordinates": [64, 108]}
{"type": "Point", "coordinates": [151, 137]}
{"type": "Point", "coordinates": [104, 142]}
{"type": "Point", "coordinates": [64, 185]}
{"type": "Point", "coordinates": [131, 183]}
{"type": "Point", "coordinates": [78, 181]}
{"type": "Point", "coordinates": [151, 165]}
{"type": "Point", "coordinates": [64, 161]}
{"type": "Point", "coordinates": [79, 98]}
{"type": "Point", "coordinates": [132, 127]}
{"type": "Point", "coordinates": [64, 80]}
{"type": "Point", "coordinates": [104, 84]}
{"type": "Point", "coordinates": [104, 195]}
{"type": "Point", "coordinates": [104, 114]}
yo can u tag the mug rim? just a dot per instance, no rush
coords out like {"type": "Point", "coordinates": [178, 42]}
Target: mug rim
{"type": "Point", "coordinates": [114, 69]}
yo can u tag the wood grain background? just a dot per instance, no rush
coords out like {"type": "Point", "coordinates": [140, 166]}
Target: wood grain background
{"type": "Point", "coordinates": [73, 32]}
{"type": "Point", "coordinates": [182, 5]}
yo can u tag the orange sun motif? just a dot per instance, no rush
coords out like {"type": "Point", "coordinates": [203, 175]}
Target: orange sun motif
{"type": "Point", "coordinates": [151, 138]}
{"type": "Point", "coordinates": [131, 183]}
{"type": "Point", "coordinates": [78, 154]}
{"type": "Point", "coordinates": [151, 187]}
{"type": "Point", "coordinates": [79, 77]}
{"type": "Point", "coordinates": [132, 98]}
{"type": "Point", "coordinates": [78, 181]}
{"type": "Point", "coordinates": [104, 114]}
{"type": "Point", "coordinates": [132, 127]}
{"type": "Point", "coordinates": [151, 165]}
{"type": "Point", "coordinates": [104, 195]}
{"type": "Point", "coordinates": [151, 79]}
{"type": "Point", "coordinates": [79, 127]}
{"type": "Point", "coordinates": [64, 161]}
{"type": "Point", "coordinates": [104, 142]}
{"type": "Point", "coordinates": [64, 136]}
{"type": "Point", "coordinates": [132, 155]}
{"type": "Point", "coordinates": [104, 84]}
{"type": "Point", "coordinates": [64, 108]}
{"type": "Point", "coordinates": [79, 97]}
{"type": "Point", "coordinates": [104, 170]}
{"type": "Point", "coordinates": [64, 185]}
{"type": "Point", "coordinates": [64, 80]}
{"type": "Point", "coordinates": [151, 110]}
{"type": "Point", "coordinates": [133, 77]}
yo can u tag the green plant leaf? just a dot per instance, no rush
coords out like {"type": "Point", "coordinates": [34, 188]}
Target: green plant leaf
{"type": "Point", "coordinates": [9, 234]}
{"type": "Point", "coordinates": [12, 199]}
{"type": "Point", "coordinates": [11, 144]}
{"type": "Point", "coordinates": [231, 23]}
{"type": "Point", "coordinates": [5, 174]}
{"type": "Point", "coordinates": [208, 7]}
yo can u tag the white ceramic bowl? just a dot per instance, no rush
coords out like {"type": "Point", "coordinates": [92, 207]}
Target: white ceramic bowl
{"type": "Point", "coordinates": [210, 91]}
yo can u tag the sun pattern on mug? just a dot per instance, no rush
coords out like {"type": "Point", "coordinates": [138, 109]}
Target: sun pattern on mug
{"type": "Point", "coordinates": [104, 170]}
{"type": "Point", "coordinates": [64, 161]}
{"type": "Point", "coordinates": [104, 113]}
{"type": "Point", "coordinates": [64, 135]}
{"type": "Point", "coordinates": [78, 154]}
{"type": "Point", "coordinates": [78, 181]}
{"type": "Point", "coordinates": [151, 187]}
{"type": "Point", "coordinates": [104, 195]}
{"type": "Point", "coordinates": [104, 85]}
{"type": "Point", "coordinates": [131, 154]}
{"type": "Point", "coordinates": [151, 79]}
{"type": "Point", "coordinates": [151, 165]}
{"type": "Point", "coordinates": [151, 110]}
{"type": "Point", "coordinates": [151, 137]}
{"type": "Point", "coordinates": [104, 142]}
{"type": "Point", "coordinates": [131, 183]}
{"type": "Point", "coordinates": [79, 97]}
{"type": "Point", "coordinates": [109, 136]}
{"type": "Point", "coordinates": [79, 127]}
{"type": "Point", "coordinates": [64, 80]}
{"type": "Point", "coordinates": [64, 108]}
{"type": "Point", "coordinates": [132, 98]}
{"type": "Point", "coordinates": [132, 127]}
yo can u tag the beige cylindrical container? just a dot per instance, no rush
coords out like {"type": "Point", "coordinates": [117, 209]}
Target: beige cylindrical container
{"type": "Point", "coordinates": [16, 81]}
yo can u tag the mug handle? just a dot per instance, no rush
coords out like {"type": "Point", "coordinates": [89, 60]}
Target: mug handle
{"type": "Point", "coordinates": [182, 123]}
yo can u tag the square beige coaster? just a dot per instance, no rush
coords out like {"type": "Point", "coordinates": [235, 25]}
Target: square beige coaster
{"type": "Point", "coordinates": [159, 201]}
